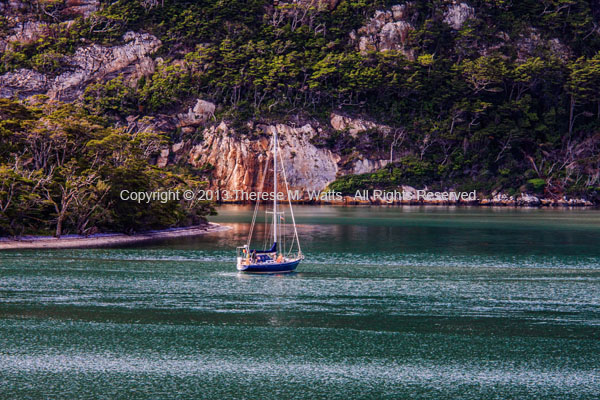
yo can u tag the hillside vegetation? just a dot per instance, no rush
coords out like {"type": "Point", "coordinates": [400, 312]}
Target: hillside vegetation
{"type": "Point", "coordinates": [491, 95]}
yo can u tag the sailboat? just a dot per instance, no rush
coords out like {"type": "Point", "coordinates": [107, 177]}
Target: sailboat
{"type": "Point", "coordinates": [274, 258]}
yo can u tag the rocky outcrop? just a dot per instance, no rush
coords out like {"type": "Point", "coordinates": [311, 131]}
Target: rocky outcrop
{"type": "Point", "coordinates": [25, 82]}
{"type": "Point", "coordinates": [22, 22]}
{"type": "Point", "coordinates": [238, 163]}
{"type": "Point", "coordinates": [97, 62]}
{"type": "Point", "coordinates": [65, 8]}
{"type": "Point", "coordinates": [81, 7]}
{"type": "Point", "coordinates": [319, 5]}
{"type": "Point", "coordinates": [27, 32]}
{"type": "Point", "coordinates": [201, 112]}
{"type": "Point", "coordinates": [531, 44]}
{"type": "Point", "coordinates": [354, 125]}
{"type": "Point", "coordinates": [528, 200]}
{"type": "Point", "coordinates": [457, 14]}
{"type": "Point", "coordinates": [163, 158]}
{"type": "Point", "coordinates": [364, 165]}
{"type": "Point", "coordinates": [360, 164]}
{"type": "Point", "coordinates": [387, 30]}
{"type": "Point", "coordinates": [88, 64]}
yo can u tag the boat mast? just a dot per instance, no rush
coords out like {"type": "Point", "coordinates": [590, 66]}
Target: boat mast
{"type": "Point", "coordinates": [275, 186]}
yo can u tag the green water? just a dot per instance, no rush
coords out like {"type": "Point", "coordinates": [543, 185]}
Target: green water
{"type": "Point", "coordinates": [424, 303]}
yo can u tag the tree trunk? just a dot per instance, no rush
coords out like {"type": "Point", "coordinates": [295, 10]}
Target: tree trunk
{"type": "Point", "coordinates": [571, 112]}
{"type": "Point", "coordinates": [59, 222]}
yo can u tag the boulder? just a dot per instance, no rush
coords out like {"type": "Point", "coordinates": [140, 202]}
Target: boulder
{"type": "Point", "coordinates": [457, 14]}
{"type": "Point", "coordinates": [354, 125]}
{"type": "Point", "coordinates": [163, 158]}
{"type": "Point", "coordinates": [387, 30]}
{"type": "Point", "coordinates": [201, 112]}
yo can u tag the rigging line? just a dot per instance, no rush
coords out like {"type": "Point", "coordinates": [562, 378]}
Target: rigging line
{"type": "Point", "coordinates": [290, 203]}
{"type": "Point", "coordinates": [262, 186]}
{"type": "Point", "coordinates": [283, 230]}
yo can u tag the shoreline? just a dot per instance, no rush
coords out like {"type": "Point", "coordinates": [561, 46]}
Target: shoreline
{"type": "Point", "coordinates": [106, 239]}
{"type": "Point", "coordinates": [485, 203]}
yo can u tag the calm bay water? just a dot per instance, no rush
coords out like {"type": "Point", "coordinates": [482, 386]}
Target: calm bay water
{"type": "Point", "coordinates": [413, 302]}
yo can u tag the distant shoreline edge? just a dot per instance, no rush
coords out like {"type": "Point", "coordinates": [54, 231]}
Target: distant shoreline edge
{"type": "Point", "coordinates": [106, 240]}
{"type": "Point", "coordinates": [485, 203]}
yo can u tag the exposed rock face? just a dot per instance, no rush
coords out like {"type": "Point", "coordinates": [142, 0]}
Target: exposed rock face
{"type": "Point", "coordinates": [23, 32]}
{"type": "Point", "coordinates": [24, 81]}
{"type": "Point", "coordinates": [163, 158]}
{"type": "Point", "coordinates": [457, 14]}
{"type": "Point", "coordinates": [320, 5]}
{"type": "Point", "coordinates": [353, 125]}
{"type": "Point", "coordinates": [239, 163]}
{"type": "Point", "coordinates": [68, 8]}
{"type": "Point", "coordinates": [94, 62]}
{"type": "Point", "coordinates": [24, 26]}
{"type": "Point", "coordinates": [81, 7]}
{"type": "Point", "coordinates": [196, 116]}
{"type": "Point", "coordinates": [365, 166]}
{"type": "Point", "coordinates": [28, 32]}
{"type": "Point", "coordinates": [528, 200]}
{"type": "Point", "coordinates": [388, 30]}
{"type": "Point", "coordinates": [89, 63]}
{"type": "Point", "coordinates": [530, 44]}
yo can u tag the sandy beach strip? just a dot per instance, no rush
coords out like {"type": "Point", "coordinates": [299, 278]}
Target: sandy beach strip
{"type": "Point", "coordinates": [105, 240]}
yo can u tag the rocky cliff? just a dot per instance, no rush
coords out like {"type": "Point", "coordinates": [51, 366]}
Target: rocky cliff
{"type": "Point", "coordinates": [237, 161]}
{"type": "Point", "coordinates": [89, 64]}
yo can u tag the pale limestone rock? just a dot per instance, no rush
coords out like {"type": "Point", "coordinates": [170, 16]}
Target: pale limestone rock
{"type": "Point", "coordinates": [354, 125]}
{"type": "Point", "coordinates": [196, 116]}
{"type": "Point", "coordinates": [239, 163]}
{"type": "Point", "coordinates": [530, 43]}
{"type": "Point", "coordinates": [457, 14]}
{"type": "Point", "coordinates": [528, 200]}
{"type": "Point", "coordinates": [23, 81]}
{"type": "Point", "coordinates": [163, 158]}
{"type": "Point", "coordinates": [387, 30]}
{"type": "Point", "coordinates": [177, 146]}
{"type": "Point", "coordinates": [400, 11]}
{"type": "Point", "coordinates": [81, 7]}
{"type": "Point", "coordinates": [204, 107]}
{"type": "Point", "coordinates": [28, 32]}
{"type": "Point", "coordinates": [410, 191]}
{"type": "Point", "coordinates": [89, 63]}
{"type": "Point", "coordinates": [365, 166]}
{"type": "Point", "coordinates": [144, 67]}
{"type": "Point", "coordinates": [96, 62]}
{"type": "Point", "coordinates": [319, 5]}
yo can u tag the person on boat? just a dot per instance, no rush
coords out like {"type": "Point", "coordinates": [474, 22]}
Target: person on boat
{"type": "Point", "coordinates": [280, 258]}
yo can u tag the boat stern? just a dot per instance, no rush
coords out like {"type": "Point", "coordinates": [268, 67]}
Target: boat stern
{"type": "Point", "coordinates": [240, 264]}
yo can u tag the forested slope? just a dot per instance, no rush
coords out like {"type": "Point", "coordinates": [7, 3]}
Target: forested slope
{"type": "Point", "coordinates": [490, 95]}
